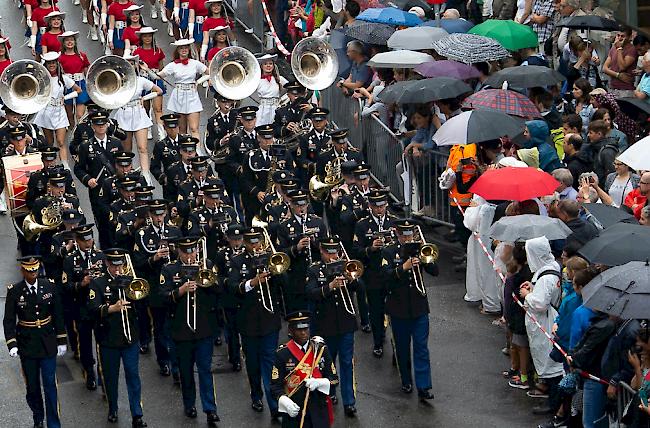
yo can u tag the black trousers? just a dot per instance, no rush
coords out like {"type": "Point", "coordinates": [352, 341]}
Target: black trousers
{"type": "Point", "coordinates": [377, 315]}
{"type": "Point", "coordinates": [231, 334]}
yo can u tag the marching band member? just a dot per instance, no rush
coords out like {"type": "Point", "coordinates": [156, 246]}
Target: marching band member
{"type": "Point", "coordinates": [241, 141]}
{"type": "Point", "coordinates": [197, 15]}
{"type": "Point", "coordinates": [35, 137]}
{"type": "Point", "coordinates": [4, 54]}
{"type": "Point", "coordinates": [184, 98]}
{"type": "Point", "coordinates": [334, 315]}
{"type": "Point", "coordinates": [34, 330]}
{"type": "Point", "coordinates": [166, 150]}
{"type": "Point", "coordinates": [63, 243]}
{"type": "Point", "coordinates": [340, 150]}
{"type": "Point", "coordinates": [151, 54]}
{"type": "Point", "coordinates": [134, 23]}
{"type": "Point", "coordinates": [181, 170]}
{"type": "Point", "coordinates": [84, 129]}
{"type": "Point", "coordinates": [53, 119]}
{"type": "Point", "coordinates": [74, 64]}
{"type": "Point", "coordinates": [192, 336]}
{"type": "Point", "coordinates": [269, 89]}
{"type": "Point", "coordinates": [38, 180]}
{"type": "Point", "coordinates": [218, 130]}
{"type": "Point", "coordinates": [408, 308]}
{"type": "Point", "coordinates": [215, 18]}
{"type": "Point", "coordinates": [298, 367]}
{"type": "Point", "coordinates": [133, 118]}
{"type": "Point", "coordinates": [258, 316]}
{"type": "Point", "coordinates": [117, 335]}
{"type": "Point", "coordinates": [219, 40]}
{"type": "Point", "coordinates": [190, 193]}
{"type": "Point", "coordinates": [38, 24]}
{"type": "Point", "coordinates": [181, 18]}
{"type": "Point", "coordinates": [128, 222]}
{"type": "Point", "coordinates": [123, 167]}
{"type": "Point", "coordinates": [287, 118]}
{"type": "Point", "coordinates": [116, 25]}
{"type": "Point", "coordinates": [277, 205]}
{"type": "Point", "coordinates": [50, 39]}
{"type": "Point", "coordinates": [79, 267]}
{"type": "Point", "coordinates": [370, 235]}
{"type": "Point", "coordinates": [312, 144]}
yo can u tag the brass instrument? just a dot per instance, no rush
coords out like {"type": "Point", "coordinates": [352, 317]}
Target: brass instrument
{"type": "Point", "coordinates": [352, 270]}
{"type": "Point", "coordinates": [25, 86]}
{"type": "Point", "coordinates": [314, 63]}
{"type": "Point", "coordinates": [235, 73]}
{"type": "Point", "coordinates": [319, 190]}
{"type": "Point", "coordinates": [278, 263]}
{"type": "Point", "coordinates": [137, 289]}
{"type": "Point", "coordinates": [111, 82]}
{"type": "Point", "coordinates": [427, 253]}
{"type": "Point", "coordinates": [308, 232]}
{"type": "Point", "coordinates": [51, 217]}
{"type": "Point", "coordinates": [204, 278]}
{"type": "Point", "coordinates": [316, 344]}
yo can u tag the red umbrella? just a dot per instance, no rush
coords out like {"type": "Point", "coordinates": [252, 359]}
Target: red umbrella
{"type": "Point", "coordinates": [504, 101]}
{"type": "Point", "coordinates": [514, 184]}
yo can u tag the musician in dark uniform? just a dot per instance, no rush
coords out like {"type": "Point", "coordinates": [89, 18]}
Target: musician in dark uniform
{"type": "Point", "coordinates": [129, 221]}
{"type": "Point", "coordinates": [192, 335]}
{"type": "Point", "coordinates": [152, 249]}
{"type": "Point", "coordinates": [123, 166]}
{"type": "Point", "coordinates": [181, 170]}
{"type": "Point", "coordinates": [126, 189]}
{"type": "Point", "coordinates": [222, 122]}
{"type": "Point", "coordinates": [277, 204]}
{"type": "Point", "coordinates": [35, 137]}
{"type": "Point", "coordinates": [62, 244]}
{"type": "Point", "coordinates": [37, 184]}
{"type": "Point", "coordinates": [229, 301]}
{"type": "Point", "coordinates": [190, 193]}
{"type": "Point", "coordinates": [34, 330]}
{"type": "Point", "coordinates": [258, 315]}
{"type": "Point", "coordinates": [117, 335]}
{"type": "Point", "coordinates": [298, 237]}
{"type": "Point", "coordinates": [334, 316]}
{"type": "Point", "coordinates": [166, 150]}
{"type": "Point", "coordinates": [408, 307]}
{"type": "Point", "coordinates": [312, 144]}
{"type": "Point", "coordinates": [370, 235]}
{"type": "Point", "coordinates": [338, 152]}
{"type": "Point", "coordinates": [289, 117]}
{"type": "Point", "coordinates": [259, 163]}
{"type": "Point", "coordinates": [79, 268]}
{"type": "Point", "coordinates": [240, 142]}
{"type": "Point", "coordinates": [292, 376]}
{"type": "Point", "coordinates": [93, 165]}
{"type": "Point", "coordinates": [84, 130]}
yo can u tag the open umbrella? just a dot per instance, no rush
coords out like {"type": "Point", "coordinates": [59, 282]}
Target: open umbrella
{"type": "Point", "coordinates": [622, 291]}
{"type": "Point", "coordinates": [451, 25]}
{"type": "Point", "coordinates": [470, 48]}
{"type": "Point", "coordinates": [447, 68]}
{"type": "Point", "coordinates": [527, 76]}
{"type": "Point", "coordinates": [339, 41]}
{"type": "Point", "coordinates": [630, 105]}
{"type": "Point", "coordinates": [390, 16]}
{"type": "Point", "coordinates": [528, 226]}
{"type": "Point", "coordinates": [637, 156]}
{"type": "Point", "coordinates": [618, 244]}
{"type": "Point", "coordinates": [607, 215]}
{"type": "Point", "coordinates": [476, 126]}
{"type": "Point", "coordinates": [399, 59]}
{"type": "Point", "coordinates": [510, 34]}
{"type": "Point", "coordinates": [370, 32]}
{"type": "Point", "coordinates": [514, 184]}
{"type": "Point", "coordinates": [423, 91]}
{"type": "Point", "coordinates": [589, 22]}
{"type": "Point", "coordinates": [509, 102]}
{"type": "Point", "coordinates": [416, 38]}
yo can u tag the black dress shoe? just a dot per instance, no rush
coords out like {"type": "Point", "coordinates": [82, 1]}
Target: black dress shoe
{"type": "Point", "coordinates": [177, 378]}
{"type": "Point", "coordinates": [91, 383]}
{"type": "Point", "coordinates": [217, 341]}
{"type": "Point", "coordinates": [543, 410]}
{"type": "Point", "coordinates": [212, 419]}
{"type": "Point", "coordinates": [165, 370]}
{"type": "Point", "coordinates": [276, 418]}
{"type": "Point", "coordinates": [236, 367]}
{"type": "Point", "coordinates": [407, 389]}
{"type": "Point", "coordinates": [39, 425]}
{"type": "Point", "coordinates": [138, 422]}
{"type": "Point", "coordinates": [350, 411]}
{"type": "Point", "coordinates": [144, 349]}
{"type": "Point", "coordinates": [425, 394]}
{"type": "Point", "coordinates": [334, 400]}
{"type": "Point", "coordinates": [378, 352]}
{"type": "Point", "coordinates": [366, 328]}
{"type": "Point", "coordinates": [257, 406]}
{"type": "Point", "coordinates": [191, 412]}
{"type": "Point", "coordinates": [112, 418]}
{"type": "Point", "coordinates": [75, 356]}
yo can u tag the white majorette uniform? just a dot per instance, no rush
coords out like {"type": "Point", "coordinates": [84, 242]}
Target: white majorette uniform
{"type": "Point", "coordinates": [184, 98]}
{"type": "Point", "coordinates": [269, 93]}
{"type": "Point", "coordinates": [53, 116]}
{"type": "Point", "coordinates": [133, 116]}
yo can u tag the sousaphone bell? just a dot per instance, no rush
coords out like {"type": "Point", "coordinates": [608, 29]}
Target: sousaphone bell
{"type": "Point", "coordinates": [25, 86]}
{"type": "Point", "coordinates": [111, 82]}
{"type": "Point", "coordinates": [235, 73]}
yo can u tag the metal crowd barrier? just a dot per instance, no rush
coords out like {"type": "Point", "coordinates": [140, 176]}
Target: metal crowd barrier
{"type": "Point", "coordinates": [624, 396]}
{"type": "Point", "coordinates": [412, 181]}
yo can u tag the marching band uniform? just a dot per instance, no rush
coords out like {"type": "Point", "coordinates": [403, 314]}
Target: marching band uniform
{"type": "Point", "coordinates": [408, 309]}
{"type": "Point", "coordinates": [109, 192]}
{"type": "Point", "coordinates": [184, 98]}
{"type": "Point", "coordinates": [132, 116]}
{"type": "Point", "coordinates": [334, 319]}
{"type": "Point", "coordinates": [34, 330]}
{"type": "Point", "coordinates": [116, 320]}
{"type": "Point", "coordinates": [128, 221]}
{"type": "Point", "coordinates": [190, 190]}
{"type": "Point", "coordinates": [193, 345]}
{"type": "Point", "coordinates": [37, 183]}
{"type": "Point", "coordinates": [312, 144]}
{"type": "Point", "coordinates": [181, 170]}
{"type": "Point", "coordinates": [116, 10]}
{"type": "Point", "coordinates": [166, 150]}
{"type": "Point", "coordinates": [268, 91]}
{"type": "Point", "coordinates": [53, 259]}
{"type": "Point", "coordinates": [54, 116]}
{"type": "Point", "coordinates": [292, 375]}
{"type": "Point", "coordinates": [220, 124]}
{"type": "Point", "coordinates": [84, 131]}
{"type": "Point", "coordinates": [240, 143]}
{"type": "Point", "coordinates": [291, 112]}
{"type": "Point", "coordinates": [14, 120]}
{"type": "Point", "coordinates": [339, 150]}
{"type": "Point", "coordinates": [74, 66]}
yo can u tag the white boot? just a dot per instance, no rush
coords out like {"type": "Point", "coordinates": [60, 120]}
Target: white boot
{"type": "Point", "coordinates": [3, 204]}
{"type": "Point", "coordinates": [170, 29]}
{"type": "Point", "coordinates": [84, 16]}
{"type": "Point", "coordinates": [102, 37]}
{"type": "Point", "coordinates": [154, 12]}
{"type": "Point", "coordinates": [149, 135]}
{"type": "Point", "coordinates": [93, 34]}
{"type": "Point", "coordinates": [77, 2]}
{"type": "Point", "coordinates": [161, 131]}
{"type": "Point", "coordinates": [107, 50]}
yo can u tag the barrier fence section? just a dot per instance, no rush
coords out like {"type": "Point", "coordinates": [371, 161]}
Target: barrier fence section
{"type": "Point", "coordinates": [624, 396]}
{"type": "Point", "coordinates": [412, 181]}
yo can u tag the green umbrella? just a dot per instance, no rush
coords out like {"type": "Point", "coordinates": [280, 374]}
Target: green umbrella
{"type": "Point", "coordinates": [511, 35]}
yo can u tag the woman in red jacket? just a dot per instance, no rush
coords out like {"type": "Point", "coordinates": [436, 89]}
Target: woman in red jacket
{"type": "Point", "coordinates": [153, 57]}
{"type": "Point", "coordinates": [74, 65]}
{"type": "Point", "coordinates": [134, 23]}
{"type": "Point", "coordinates": [50, 39]}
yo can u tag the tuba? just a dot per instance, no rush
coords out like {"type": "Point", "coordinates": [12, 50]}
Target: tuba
{"type": "Point", "coordinates": [235, 73]}
{"type": "Point", "coordinates": [111, 82]}
{"type": "Point", "coordinates": [25, 86]}
{"type": "Point", "coordinates": [314, 63]}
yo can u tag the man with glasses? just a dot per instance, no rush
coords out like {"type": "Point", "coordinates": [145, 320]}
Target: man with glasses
{"type": "Point", "coordinates": [637, 199]}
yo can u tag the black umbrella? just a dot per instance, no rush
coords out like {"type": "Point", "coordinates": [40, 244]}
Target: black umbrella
{"type": "Point", "coordinates": [589, 22]}
{"type": "Point", "coordinates": [528, 76]}
{"type": "Point", "coordinates": [631, 106]}
{"type": "Point", "coordinates": [339, 42]}
{"type": "Point", "coordinates": [608, 215]}
{"type": "Point", "coordinates": [618, 244]}
{"type": "Point", "coordinates": [423, 91]}
{"type": "Point", "coordinates": [374, 33]}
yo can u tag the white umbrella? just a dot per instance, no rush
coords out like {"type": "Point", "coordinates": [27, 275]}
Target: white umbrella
{"type": "Point", "coordinates": [476, 126]}
{"type": "Point", "coordinates": [399, 59]}
{"type": "Point", "coordinates": [637, 156]}
{"type": "Point", "coordinates": [416, 38]}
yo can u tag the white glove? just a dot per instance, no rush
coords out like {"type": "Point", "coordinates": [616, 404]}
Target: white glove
{"type": "Point", "coordinates": [447, 179]}
{"type": "Point", "coordinates": [202, 79]}
{"type": "Point", "coordinates": [127, 52]}
{"type": "Point", "coordinates": [321, 384]}
{"type": "Point", "coordinates": [29, 22]}
{"type": "Point", "coordinates": [176, 13]}
{"type": "Point", "coordinates": [150, 96]}
{"type": "Point", "coordinates": [288, 406]}
{"type": "Point", "coordinates": [61, 350]}
{"type": "Point", "coordinates": [32, 42]}
{"type": "Point", "coordinates": [13, 353]}
{"type": "Point", "coordinates": [72, 95]}
{"type": "Point", "coordinates": [190, 30]}
{"type": "Point", "coordinates": [204, 50]}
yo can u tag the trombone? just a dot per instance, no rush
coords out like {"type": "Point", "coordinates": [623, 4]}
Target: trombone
{"type": "Point", "coordinates": [428, 253]}
{"type": "Point", "coordinates": [204, 278]}
{"type": "Point", "coordinates": [352, 270]}
{"type": "Point", "coordinates": [278, 263]}
{"type": "Point", "coordinates": [137, 289]}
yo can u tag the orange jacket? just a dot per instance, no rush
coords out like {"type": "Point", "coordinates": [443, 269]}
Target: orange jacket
{"type": "Point", "coordinates": [457, 153]}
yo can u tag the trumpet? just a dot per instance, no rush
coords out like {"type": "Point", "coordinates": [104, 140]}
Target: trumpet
{"type": "Point", "coordinates": [204, 278]}
{"type": "Point", "coordinates": [136, 289]}
{"type": "Point", "coordinates": [352, 270]}
{"type": "Point", "coordinates": [426, 253]}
